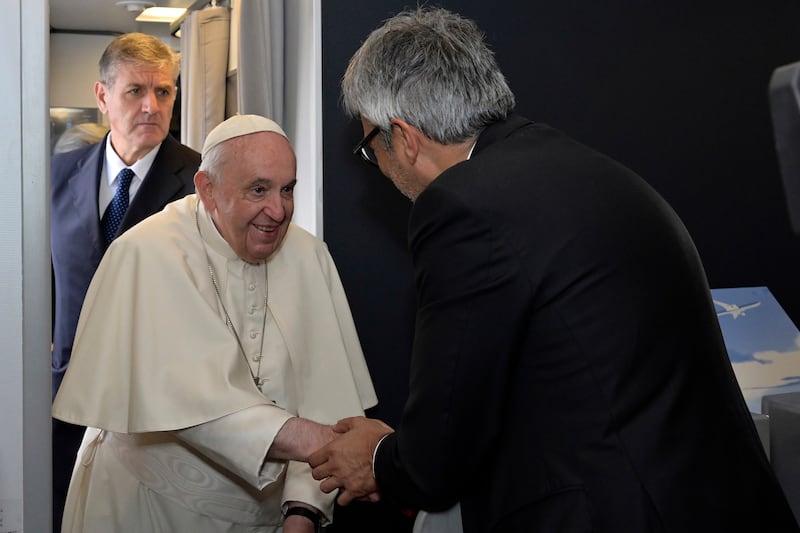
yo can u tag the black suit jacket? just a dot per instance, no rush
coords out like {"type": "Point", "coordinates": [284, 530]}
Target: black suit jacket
{"type": "Point", "coordinates": [568, 371]}
{"type": "Point", "coordinates": [77, 241]}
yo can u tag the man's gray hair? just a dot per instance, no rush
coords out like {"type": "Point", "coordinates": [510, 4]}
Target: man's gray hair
{"type": "Point", "coordinates": [138, 49]}
{"type": "Point", "coordinates": [431, 68]}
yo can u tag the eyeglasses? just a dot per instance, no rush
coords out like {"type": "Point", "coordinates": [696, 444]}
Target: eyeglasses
{"type": "Point", "coordinates": [363, 149]}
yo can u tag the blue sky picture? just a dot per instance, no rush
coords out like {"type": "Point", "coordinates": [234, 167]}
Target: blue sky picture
{"type": "Point", "coordinates": [763, 343]}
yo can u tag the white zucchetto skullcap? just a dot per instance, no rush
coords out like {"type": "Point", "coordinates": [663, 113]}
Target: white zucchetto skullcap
{"type": "Point", "coordinates": [239, 125]}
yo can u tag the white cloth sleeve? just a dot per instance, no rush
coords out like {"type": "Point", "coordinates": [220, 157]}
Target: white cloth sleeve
{"type": "Point", "coordinates": [302, 487]}
{"type": "Point", "coordinates": [240, 442]}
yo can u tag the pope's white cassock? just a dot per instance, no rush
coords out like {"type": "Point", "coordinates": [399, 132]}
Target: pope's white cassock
{"type": "Point", "coordinates": [178, 432]}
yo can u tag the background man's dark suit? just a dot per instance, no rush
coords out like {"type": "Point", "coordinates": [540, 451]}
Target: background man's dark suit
{"type": "Point", "coordinates": [568, 366]}
{"type": "Point", "coordinates": [77, 245]}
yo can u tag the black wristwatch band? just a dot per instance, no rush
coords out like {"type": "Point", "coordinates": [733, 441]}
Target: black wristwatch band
{"type": "Point", "coordinates": [308, 513]}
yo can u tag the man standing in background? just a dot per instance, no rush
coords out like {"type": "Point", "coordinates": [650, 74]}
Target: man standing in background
{"type": "Point", "coordinates": [100, 191]}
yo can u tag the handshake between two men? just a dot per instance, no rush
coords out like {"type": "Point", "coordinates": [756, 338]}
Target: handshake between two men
{"type": "Point", "coordinates": [345, 463]}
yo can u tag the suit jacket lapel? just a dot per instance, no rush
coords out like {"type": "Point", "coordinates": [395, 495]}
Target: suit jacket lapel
{"type": "Point", "coordinates": [84, 185]}
{"type": "Point", "coordinates": [160, 185]}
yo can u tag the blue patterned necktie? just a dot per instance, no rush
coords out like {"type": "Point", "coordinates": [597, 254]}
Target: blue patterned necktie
{"type": "Point", "coordinates": [119, 204]}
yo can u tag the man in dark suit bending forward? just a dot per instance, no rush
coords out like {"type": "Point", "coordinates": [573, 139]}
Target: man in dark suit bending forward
{"type": "Point", "coordinates": [568, 371]}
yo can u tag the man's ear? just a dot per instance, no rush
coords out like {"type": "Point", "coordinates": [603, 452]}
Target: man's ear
{"type": "Point", "coordinates": [100, 94]}
{"type": "Point", "coordinates": [204, 186]}
{"type": "Point", "coordinates": [409, 139]}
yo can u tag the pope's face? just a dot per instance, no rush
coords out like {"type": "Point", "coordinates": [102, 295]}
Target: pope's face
{"type": "Point", "coordinates": [139, 108]}
{"type": "Point", "coordinates": [252, 201]}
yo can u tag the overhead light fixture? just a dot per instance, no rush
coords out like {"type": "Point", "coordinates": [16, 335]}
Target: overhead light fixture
{"type": "Point", "coordinates": [167, 15]}
{"type": "Point", "coordinates": [135, 5]}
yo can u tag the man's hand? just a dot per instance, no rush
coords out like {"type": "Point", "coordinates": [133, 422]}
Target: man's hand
{"type": "Point", "coordinates": [346, 462]}
{"type": "Point", "coordinates": [298, 438]}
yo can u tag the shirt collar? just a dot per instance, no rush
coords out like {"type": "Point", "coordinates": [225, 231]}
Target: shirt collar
{"type": "Point", "coordinates": [114, 163]}
{"type": "Point", "coordinates": [469, 155]}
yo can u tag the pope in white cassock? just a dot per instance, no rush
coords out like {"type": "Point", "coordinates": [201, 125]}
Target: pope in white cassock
{"type": "Point", "coordinates": [214, 348]}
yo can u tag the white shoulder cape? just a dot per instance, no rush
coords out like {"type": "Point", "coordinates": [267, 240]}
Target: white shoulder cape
{"type": "Point", "coordinates": [152, 353]}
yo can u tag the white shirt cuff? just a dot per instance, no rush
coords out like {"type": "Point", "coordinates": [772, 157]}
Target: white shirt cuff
{"type": "Point", "coordinates": [375, 453]}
